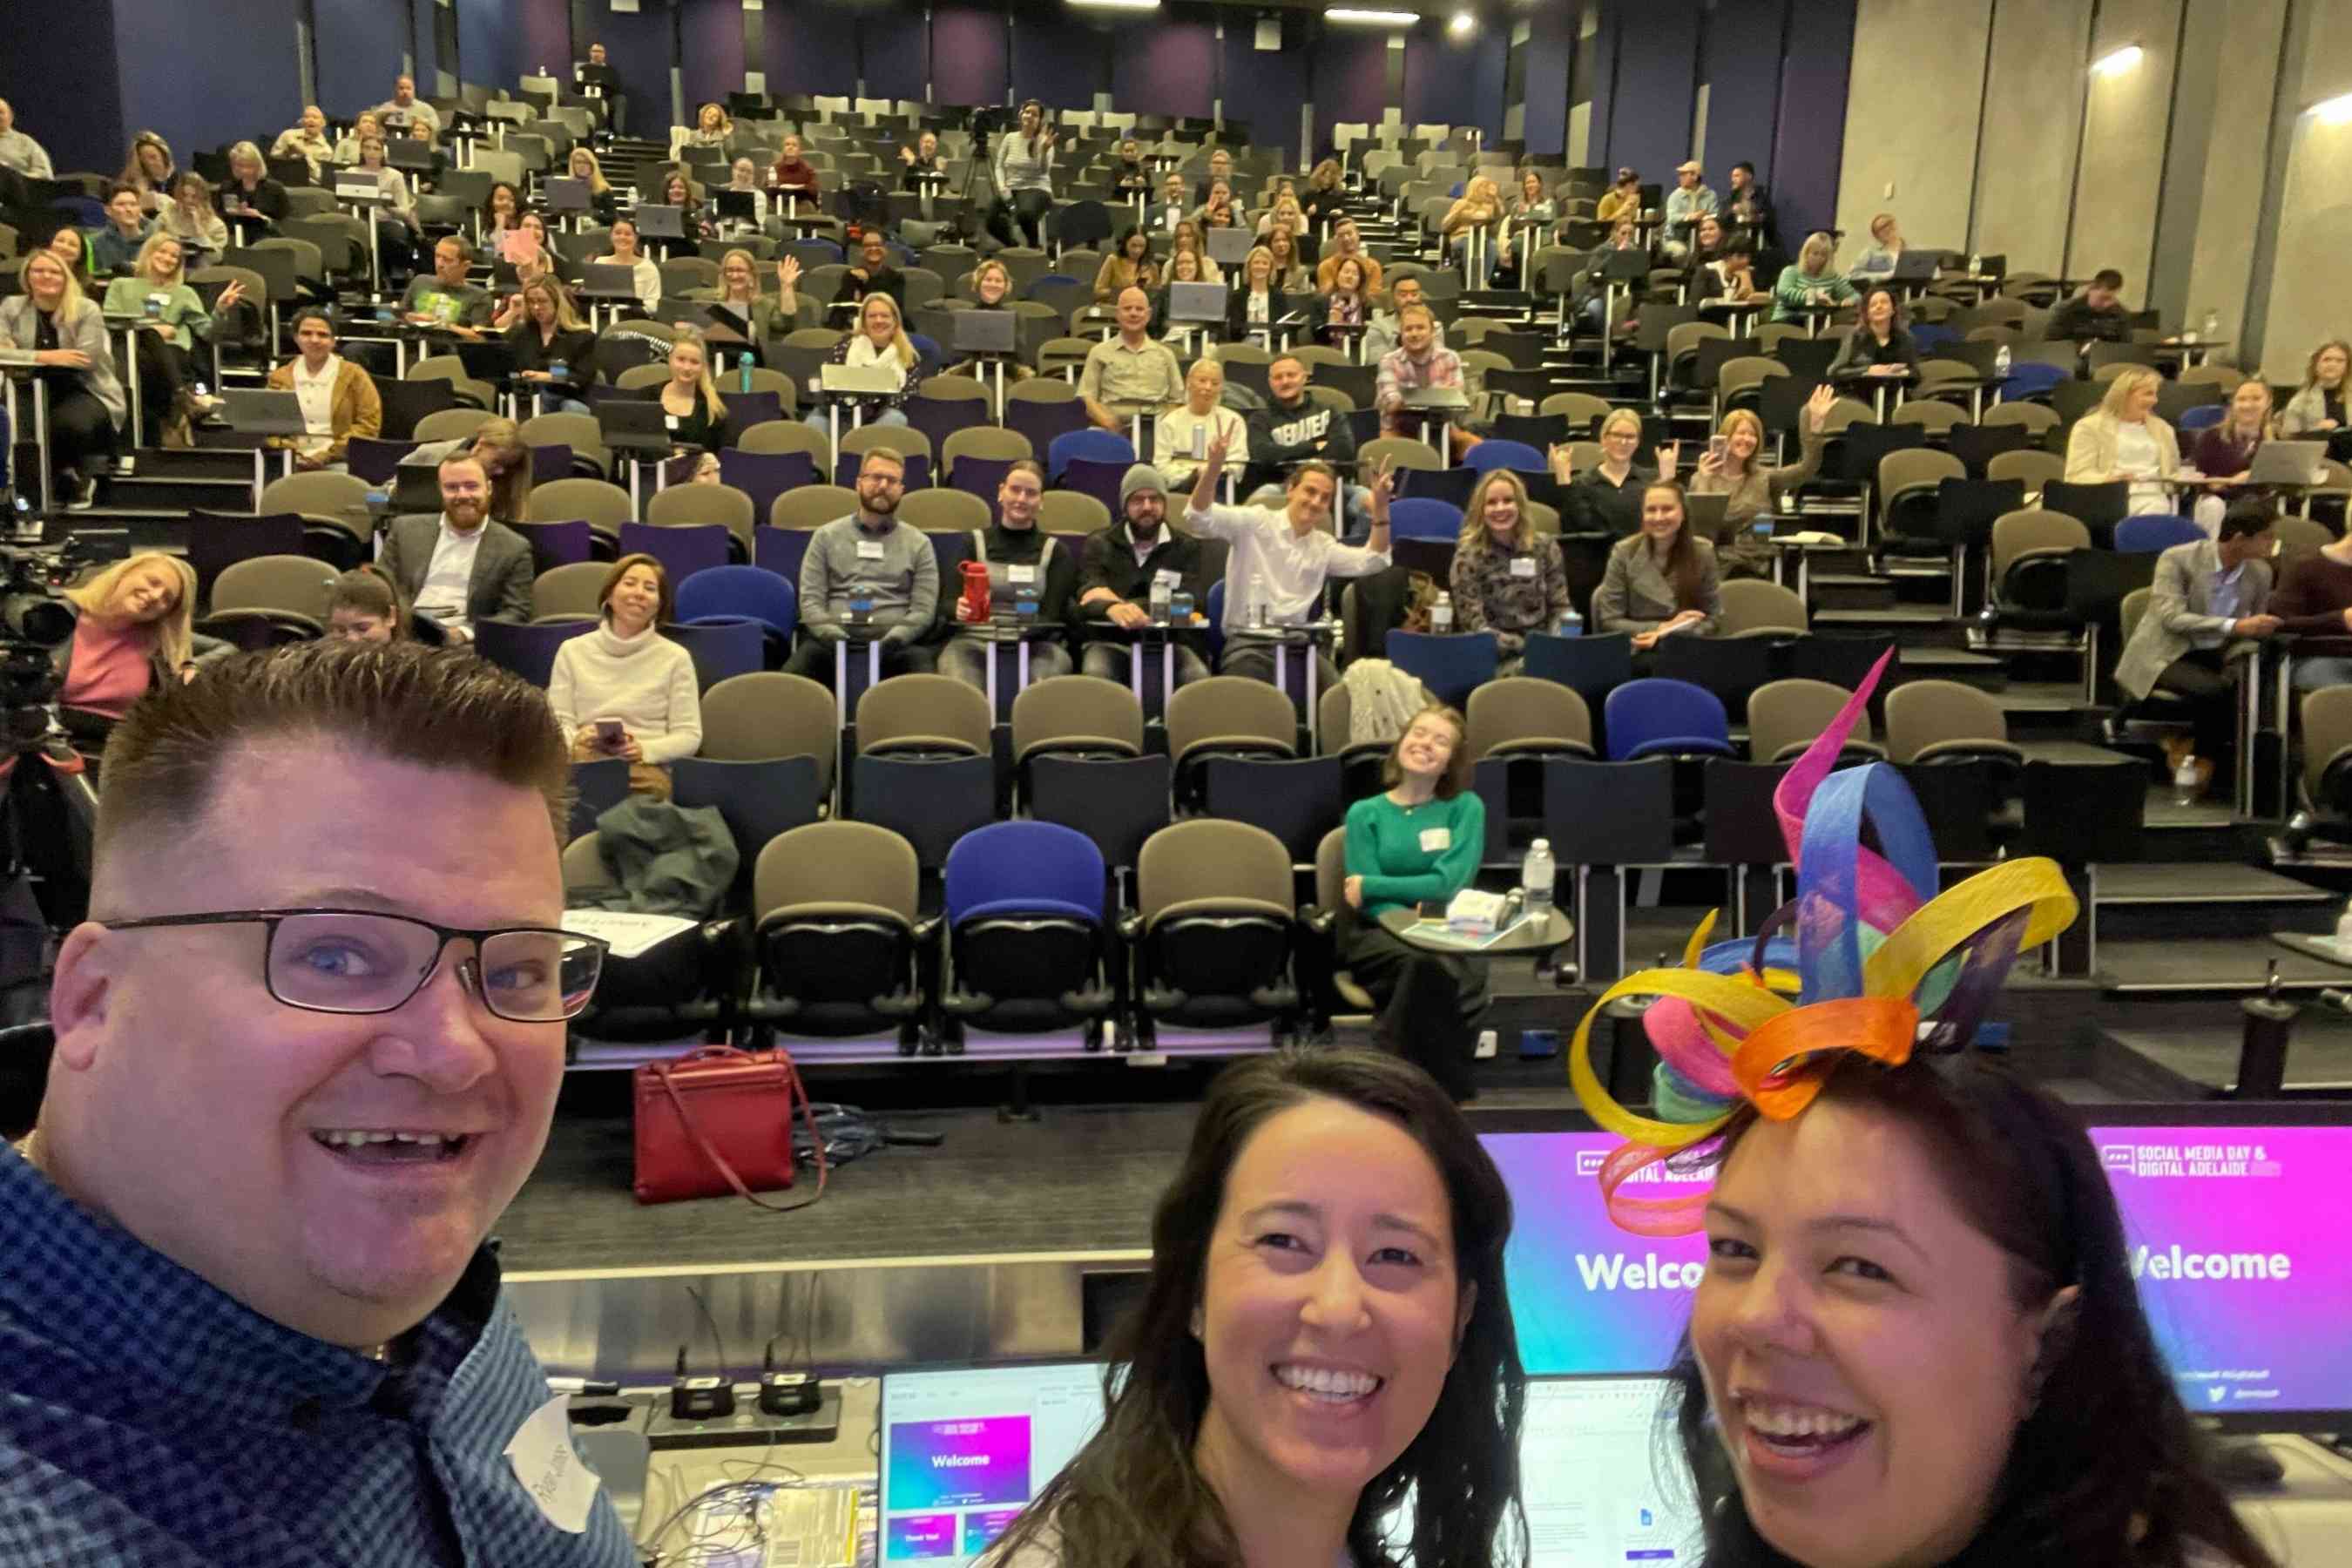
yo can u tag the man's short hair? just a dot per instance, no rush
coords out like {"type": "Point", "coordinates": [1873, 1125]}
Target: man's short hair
{"type": "Point", "coordinates": [1743, 163]}
{"type": "Point", "coordinates": [887, 454]}
{"type": "Point", "coordinates": [464, 454]}
{"type": "Point", "coordinates": [1410, 312]}
{"type": "Point", "coordinates": [2244, 518]}
{"type": "Point", "coordinates": [1292, 358]}
{"type": "Point", "coordinates": [463, 249]}
{"type": "Point", "coordinates": [1313, 466]}
{"type": "Point", "coordinates": [322, 317]}
{"type": "Point", "coordinates": [2107, 277]}
{"type": "Point", "coordinates": [118, 189]}
{"type": "Point", "coordinates": [437, 707]}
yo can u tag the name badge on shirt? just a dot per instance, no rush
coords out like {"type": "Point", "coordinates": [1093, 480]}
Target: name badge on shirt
{"type": "Point", "coordinates": [869, 550]}
{"type": "Point", "coordinates": [1436, 840]}
{"type": "Point", "coordinates": [1523, 566]}
{"type": "Point", "coordinates": [1020, 576]}
{"type": "Point", "coordinates": [670, 420]}
{"type": "Point", "coordinates": [550, 1469]}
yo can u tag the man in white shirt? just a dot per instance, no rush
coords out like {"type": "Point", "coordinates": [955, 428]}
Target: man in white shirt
{"type": "Point", "coordinates": [406, 109]}
{"type": "Point", "coordinates": [20, 152]}
{"type": "Point", "coordinates": [1280, 561]}
{"type": "Point", "coordinates": [460, 567]}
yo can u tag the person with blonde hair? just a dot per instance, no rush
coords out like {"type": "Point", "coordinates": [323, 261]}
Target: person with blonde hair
{"type": "Point", "coordinates": [1479, 209]}
{"type": "Point", "coordinates": [743, 308]}
{"type": "Point", "coordinates": [135, 632]}
{"type": "Point", "coordinates": [1326, 197]}
{"type": "Point", "coordinates": [149, 170]}
{"type": "Point", "coordinates": [172, 319]}
{"type": "Point", "coordinates": [1752, 489]}
{"type": "Point", "coordinates": [711, 129]}
{"type": "Point", "coordinates": [602, 200]}
{"type": "Point", "coordinates": [626, 691]}
{"type": "Point", "coordinates": [2317, 407]}
{"type": "Point", "coordinates": [1285, 247]}
{"type": "Point", "coordinates": [250, 189]}
{"type": "Point", "coordinates": [2125, 440]}
{"type": "Point", "coordinates": [53, 326]}
{"type": "Point", "coordinates": [880, 341]}
{"type": "Point", "coordinates": [1506, 579]}
{"type": "Point", "coordinates": [1811, 280]}
{"type": "Point", "coordinates": [2225, 451]}
{"type": "Point", "coordinates": [697, 416]}
{"type": "Point", "coordinates": [553, 347]}
{"type": "Point", "coordinates": [1607, 497]}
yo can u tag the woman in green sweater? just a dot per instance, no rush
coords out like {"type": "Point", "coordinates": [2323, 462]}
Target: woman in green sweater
{"type": "Point", "coordinates": [174, 321]}
{"type": "Point", "coordinates": [1419, 843]}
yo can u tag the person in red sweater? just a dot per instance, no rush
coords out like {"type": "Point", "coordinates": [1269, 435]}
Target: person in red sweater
{"type": "Point", "coordinates": [2314, 602]}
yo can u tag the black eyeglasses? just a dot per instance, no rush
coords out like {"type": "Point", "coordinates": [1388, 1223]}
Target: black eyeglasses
{"type": "Point", "coordinates": [363, 962]}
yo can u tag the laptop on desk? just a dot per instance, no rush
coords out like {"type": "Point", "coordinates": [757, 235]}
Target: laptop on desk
{"type": "Point", "coordinates": [566, 194]}
{"type": "Point", "coordinates": [1228, 247]}
{"type": "Point", "coordinates": [358, 186]}
{"type": "Point", "coordinates": [858, 381]}
{"type": "Point", "coordinates": [263, 413]}
{"type": "Point", "coordinates": [737, 207]}
{"type": "Point", "coordinates": [1196, 302]}
{"type": "Point", "coordinates": [2288, 463]}
{"type": "Point", "coordinates": [1916, 267]}
{"type": "Point", "coordinates": [601, 281]}
{"type": "Point", "coordinates": [1624, 266]}
{"type": "Point", "coordinates": [983, 331]}
{"type": "Point", "coordinates": [1437, 400]}
{"type": "Point", "coordinates": [661, 221]}
{"type": "Point", "coordinates": [639, 428]}
{"type": "Point", "coordinates": [407, 152]}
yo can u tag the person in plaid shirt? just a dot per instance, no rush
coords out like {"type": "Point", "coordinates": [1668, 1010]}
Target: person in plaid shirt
{"type": "Point", "coordinates": [307, 1050]}
{"type": "Point", "coordinates": [1420, 361]}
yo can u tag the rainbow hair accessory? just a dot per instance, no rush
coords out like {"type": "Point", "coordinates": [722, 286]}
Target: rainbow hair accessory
{"type": "Point", "coordinates": [1878, 964]}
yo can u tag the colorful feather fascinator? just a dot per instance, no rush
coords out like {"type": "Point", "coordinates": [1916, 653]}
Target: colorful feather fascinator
{"type": "Point", "coordinates": [1869, 960]}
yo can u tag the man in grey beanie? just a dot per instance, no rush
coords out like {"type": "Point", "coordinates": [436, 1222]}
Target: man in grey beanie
{"type": "Point", "coordinates": [1117, 572]}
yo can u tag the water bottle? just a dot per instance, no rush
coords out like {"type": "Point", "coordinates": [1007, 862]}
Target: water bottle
{"type": "Point", "coordinates": [1024, 603]}
{"type": "Point", "coordinates": [1535, 876]}
{"type": "Point", "coordinates": [1180, 609]}
{"type": "Point", "coordinates": [1160, 593]}
{"type": "Point", "coordinates": [1976, 265]}
{"type": "Point", "coordinates": [743, 374]}
{"type": "Point", "coordinates": [2212, 326]}
{"type": "Point", "coordinates": [2184, 781]}
{"type": "Point", "coordinates": [2000, 363]}
{"type": "Point", "coordinates": [1441, 616]}
{"type": "Point", "coordinates": [1572, 624]}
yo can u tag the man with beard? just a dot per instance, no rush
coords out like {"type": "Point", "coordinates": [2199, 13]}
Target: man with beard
{"type": "Point", "coordinates": [1122, 565]}
{"type": "Point", "coordinates": [460, 567]}
{"type": "Point", "coordinates": [869, 571]}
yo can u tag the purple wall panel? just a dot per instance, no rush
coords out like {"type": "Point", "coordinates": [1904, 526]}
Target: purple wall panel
{"type": "Point", "coordinates": [637, 43]}
{"type": "Point", "coordinates": [967, 55]}
{"type": "Point", "coordinates": [809, 49]}
{"type": "Point", "coordinates": [359, 48]}
{"type": "Point", "coordinates": [1453, 83]}
{"type": "Point", "coordinates": [1264, 88]}
{"type": "Point", "coordinates": [1060, 63]}
{"type": "Point", "coordinates": [1552, 33]}
{"type": "Point", "coordinates": [545, 34]}
{"type": "Point", "coordinates": [710, 51]}
{"type": "Point", "coordinates": [63, 84]}
{"type": "Point", "coordinates": [1809, 148]}
{"type": "Point", "coordinates": [1349, 78]}
{"type": "Point", "coordinates": [1170, 68]}
{"type": "Point", "coordinates": [1743, 45]}
{"type": "Point", "coordinates": [894, 54]}
{"type": "Point", "coordinates": [178, 79]}
{"type": "Point", "coordinates": [1649, 109]}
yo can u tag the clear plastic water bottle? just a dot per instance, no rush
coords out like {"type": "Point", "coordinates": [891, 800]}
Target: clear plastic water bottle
{"type": "Point", "coordinates": [1976, 264]}
{"type": "Point", "coordinates": [1024, 603]}
{"type": "Point", "coordinates": [1160, 593]}
{"type": "Point", "coordinates": [1441, 615]}
{"type": "Point", "coordinates": [1572, 624]}
{"type": "Point", "coordinates": [2184, 781]}
{"type": "Point", "coordinates": [1535, 876]}
{"type": "Point", "coordinates": [2000, 363]}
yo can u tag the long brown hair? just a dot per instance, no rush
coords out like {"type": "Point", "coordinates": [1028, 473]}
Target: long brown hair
{"type": "Point", "coordinates": [1456, 776]}
{"type": "Point", "coordinates": [1681, 566]}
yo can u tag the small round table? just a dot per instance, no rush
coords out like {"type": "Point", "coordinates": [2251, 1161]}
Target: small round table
{"type": "Point", "coordinates": [1533, 934]}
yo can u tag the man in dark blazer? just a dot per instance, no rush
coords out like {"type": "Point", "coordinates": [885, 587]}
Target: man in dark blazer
{"type": "Point", "coordinates": [460, 567]}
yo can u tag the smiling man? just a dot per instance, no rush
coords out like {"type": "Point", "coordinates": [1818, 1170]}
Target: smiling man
{"type": "Point", "coordinates": [307, 1051]}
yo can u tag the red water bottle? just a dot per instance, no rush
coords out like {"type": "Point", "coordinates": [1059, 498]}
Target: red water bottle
{"type": "Point", "coordinates": [976, 606]}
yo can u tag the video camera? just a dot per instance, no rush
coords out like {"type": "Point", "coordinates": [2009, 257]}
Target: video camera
{"type": "Point", "coordinates": [36, 620]}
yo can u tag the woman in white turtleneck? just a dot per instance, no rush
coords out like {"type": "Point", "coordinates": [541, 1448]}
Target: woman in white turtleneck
{"type": "Point", "coordinates": [627, 673]}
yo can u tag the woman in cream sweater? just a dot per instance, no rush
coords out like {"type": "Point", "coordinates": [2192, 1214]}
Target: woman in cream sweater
{"type": "Point", "coordinates": [2125, 440]}
{"type": "Point", "coordinates": [626, 674]}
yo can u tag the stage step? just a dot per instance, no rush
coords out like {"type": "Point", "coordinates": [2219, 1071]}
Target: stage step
{"type": "Point", "coordinates": [2227, 965]}
{"type": "Point", "coordinates": [2207, 900]}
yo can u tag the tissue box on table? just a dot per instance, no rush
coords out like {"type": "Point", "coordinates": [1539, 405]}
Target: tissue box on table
{"type": "Point", "coordinates": [1474, 913]}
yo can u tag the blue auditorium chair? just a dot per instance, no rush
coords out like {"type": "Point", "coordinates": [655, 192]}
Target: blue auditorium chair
{"type": "Point", "coordinates": [1027, 931]}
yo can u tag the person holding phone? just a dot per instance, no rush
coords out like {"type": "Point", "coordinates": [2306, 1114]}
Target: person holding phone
{"type": "Point", "coordinates": [173, 320]}
{"type": "Point", "coordinates": [1730, 469]}
{"type": "Point", "coordinates": [626, 691]}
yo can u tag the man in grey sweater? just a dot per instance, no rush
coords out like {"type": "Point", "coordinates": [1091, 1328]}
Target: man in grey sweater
{"type": "Point", "coordinates": [868, 572]}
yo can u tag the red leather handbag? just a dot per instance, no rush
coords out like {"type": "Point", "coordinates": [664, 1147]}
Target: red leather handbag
{"type": "Point", "coordinates": [718, 1120]}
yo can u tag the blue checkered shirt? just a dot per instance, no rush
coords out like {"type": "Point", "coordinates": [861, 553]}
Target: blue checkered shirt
{"type": "Point", "coordinates": [146, 1418]}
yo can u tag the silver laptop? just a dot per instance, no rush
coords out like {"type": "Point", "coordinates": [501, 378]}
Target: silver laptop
{"type": "Point", "coordinates": [1228, 247]}
{"type": "Point", "coordinates": [2288, 463]}
{"type": "Point", "coordinates": [983, 331]}
{"type": "Point", "coordinates": [263, 413]}
{"type": "Point", "coordinates": [566, 194]}
{"type": "Point", "coordinates": [358, 186]}
{"type": "Point", "coordinates": [661, 221]}
{"type": "Point", "coordinates": [859, 381]}
{"type": "Point", "coordinates": [608, 283]}
{"type": "Point", "coordinates": [1196, 301]}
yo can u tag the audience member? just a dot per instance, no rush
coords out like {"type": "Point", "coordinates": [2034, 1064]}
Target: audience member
{"type": "Point", "coordinates": [1811, 281]}
{"type": "Point", "coordinates": [363, 605]}
{"type": "Point", "coordinates": [115, 247]}
{"type": "Point", "coordinates": [1507, 578]}
{"type": "Point", "coordinates": [869, 572]}
{"type": "Point", "coordinates": [2123, 439]}
{"type": "Point", "coordinates": [743, 178]}
{"type": "Point", "coordinates": [1533, 207]}
{"type": "Point", "coordinates": [711, 129]}
{"type": "Point", "coordinates": [2095, 315]}
{"type": "Point", "coordinates": [1022, 172]}
{"type": "Point", "coordinates": [1382, 332]}
{"type": "Point", "coordinates": [1290, 268]}
{"type": "Point", "coordinates": [1732, 274]}
{"type": "Point", "coordinates": [395, 217]}
{"type": "Point", "coordinates": [1421, 363]}
{"type": "Point", "coordinates": [872, 274]}
{"type": "Point", "coordinates": [1294, 429]}
{"type": "Point", "coordinates": [879, 342]}
{"type": "Point", "coordinates": [1347, 245]}
{"type": "Point", "coordinates": [1129, 373]}
{"type": "Point", "coordinates": [1885, 248]}
{"type": "Point", "coordinates": [1326, 198]}
{"type": "Point", "coordinates": [2226, 451]}
{"type": "Point", "coordinates": [460, 567]}
{"type": "Point", "coordinates": [347, 146]}
{"type": "Point", "coordinates": [1318, 1183]}
{"type": "Point", "coordinates": [1622, 199]}
{"type": "Point", "coordinates": [403, 109]}
{"type": "Point", "coordinates": [1689, 200]}
{"type": "Point", "coordinates": [71, 248]}
{"type": "Point", "coordinates": [644, 276]}
{"type": "Point", "coordinates": [172, 319]}
{"type": "Point", "coordinates": [1124, 267]}
{"type": "Point", "coordinates": [1282, 557]}
{"type": "Point", "coordinates": [1284, 213]}
{"type": "Point", "coordinates": [446, 297]}
{"type": "Point", "coordinates": [54, 328]}
{"type": "Point", "coordinates": [134, 634]}
{"type": "Point", "coordinates": [2314, 600]}
{"type": "Point", "coordinates": [19, 152]}
{"type": "Point", "coordinates": [679, 192]}
{"type": "Point", "coordinates": [1217, 212]}
{"type": "Point", "coordinates": [2206, 595]}
{"type": "Point", "coordinates": [307, 140]}
{"type": "Point", "coordinates": [1750, 205]}
{"type": "Point", "coordinates": [920, 160]}
{"type": "Point", "coordinates": [2317, 406]}
{"type": "Point", "coordinates": [504, 233]}
{"type": "Point", "coordinates": [1186, 241]}
{"type": "Point", "coordinates": [1607, 499]}
{"type": "Point", "coordinates": [1257, 302]}
{"type": "Point", "coordinates": [599, 74]}
{"type": "Point", "coordinates": [190, 218]}
{"type": "Point", "coordinates": [1172, 209]}
{"type": "Point", "coordinates": [604, 202]}
{"type": "Point", "coordinates": [691, 410]}
{"type": "Point", "coordinates": [1752, 489]}
{"type": "Point", "coordinates": [293, 1155]}
{"type": "Point", "coordinates": [1880, 343]}
{"type": "Point", "coordinates": [1418, 842]}
{"type": "Point", "coordinates": [1347, 303]}
{"type": "Point", "coordinates": [250, 188]}
{"type": "Point", "coordinates": [530, 269]}
{"type": "Point", "coordinates": [1662, 579]}
{"type": "Point", "coordinates": [1021, 558]}
{"type": "Point", "coordinates": [149, 171]}
{"type": "Point", "coordinates": [1592, 284]}
{"type": "Point", "coordinates": [1480, 209]}
{"type": "Point", "coordinates": [742, 307]}
{"type": "Point", "coordinates": [339, 399]}
{"type": "Point", "coordinates": [1181, 434]}
{"type": "Point", "coordinates": [1129, 178]}
{"type": "Point", "coordinates": [626, 691]}
{"type": "Point", "coordinates": [497, 445]}
{"type": "Point", "coordinates": [1122, 568]}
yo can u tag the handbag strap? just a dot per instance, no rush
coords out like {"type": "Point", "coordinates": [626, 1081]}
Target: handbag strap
{"type": "Point", "coordinates": [794, 1091]}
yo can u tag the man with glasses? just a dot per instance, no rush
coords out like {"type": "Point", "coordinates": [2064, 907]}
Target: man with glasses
{"type": "Point", "coordinates": [868, 577]}
{"type": "Point", "coordinates": [308, 1047]}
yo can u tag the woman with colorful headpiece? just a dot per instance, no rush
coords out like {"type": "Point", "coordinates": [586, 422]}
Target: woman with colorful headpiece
{"type": "Point", "coordinates": [1917, 1341]}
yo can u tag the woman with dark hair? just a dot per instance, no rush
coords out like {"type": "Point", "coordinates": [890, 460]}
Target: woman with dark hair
{"type": "Point", "coordinates": [1419, 842]}
{"type": "Point", "coordinates": [1022, 172]}
{"type": "Point", "coordinates": [363, 605]}
{"type": "Point", "coordinates": [626, 691]}
{"type": "Point", "coordinates": [1324, 1341]}
{"type": "Point", "coordinates": [503, 233]}
{"type": "Point", "coordinates": [1660, 580]}
{"type": "Point", "coordinates": [1880, 343]}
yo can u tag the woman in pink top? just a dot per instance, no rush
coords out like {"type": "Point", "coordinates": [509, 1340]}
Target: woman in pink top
{"type": "Point", "coordinates": [133, 632]}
